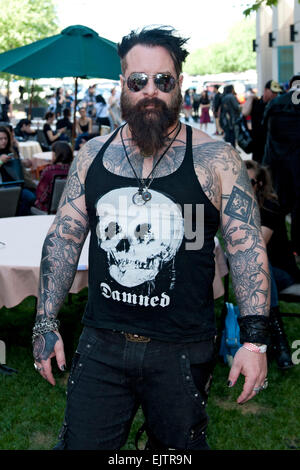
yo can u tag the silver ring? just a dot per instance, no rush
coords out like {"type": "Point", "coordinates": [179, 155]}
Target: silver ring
{"type": "Point", "coordinates": [265, 384]}
{"type": "Point", "coordinates": [257, 389]}
{"type": "Point", "coordinates": [38, 369]}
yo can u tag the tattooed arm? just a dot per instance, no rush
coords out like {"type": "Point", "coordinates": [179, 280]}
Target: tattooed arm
{"type": "Point", "coordinates": [60, 255]}
{"type": "Point", "coordinates": [240, 224]}
{"type": "Point", "coordinates": [224, 179]}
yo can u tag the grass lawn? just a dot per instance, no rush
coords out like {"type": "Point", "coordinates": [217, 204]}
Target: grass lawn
{"type": "Point", "coordinates": [31, 410]}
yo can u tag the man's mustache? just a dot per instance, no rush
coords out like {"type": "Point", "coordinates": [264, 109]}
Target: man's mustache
{"type": "Point", "coordinates": [155, 102]}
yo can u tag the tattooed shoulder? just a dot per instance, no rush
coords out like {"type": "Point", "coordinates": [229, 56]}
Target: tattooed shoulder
{"type": "Point", "coordinates": [215, 161]}
{"type": "Point", "coordinates": [86, 156]}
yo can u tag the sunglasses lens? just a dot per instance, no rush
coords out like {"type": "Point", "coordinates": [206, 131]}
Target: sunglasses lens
{"type": "Point", "coordinates": [165, 82]}
{"type": "Point", "coordinates": [137, 81]}
{"type": "Point", "coordinates": [253, 182]}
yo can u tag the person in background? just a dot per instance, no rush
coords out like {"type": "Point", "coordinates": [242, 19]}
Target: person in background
{"type": "Point", "coordinates": [69, 100]}
{"type": "Point", "coordinates": [90, 100]}
{"type": "Point", "coordinates": [9, 153]}
{"type": "Point", "coordinates": [204, 109]}
{"type": "Point", "coordinates": [53, 136]}
{"type": "Point", "coordinates": [62, 157]}
{"type": "Point", "coordinates": [283, 269]}
{"type": "Point", "coordinates": [187, 104]}
{"type": "Point", "coordinates": [65, 122]}
{"type": "Point", "coordinates": [255, 108]}
{"type": "Point", "coordinates": [102, 115]}
{"type": "Point", "coordinates": [216, 108]}
{"type": "Point", "coordinates": [84, 128]}
{"type": "Point", "coordinates": [5, 108]}
{"type": "Point", "coordinates": [282, 155]}
{"type": "Point", "coordinates": [114, 108]}
{"type": "Point", "coordinates": [23, 129]}
{"type": "Point", "coordinates": [196, 104]}
{"type": "Point", "coordinates": [229, 113]}
{"type": "Point", "coordinates": [60, 101]}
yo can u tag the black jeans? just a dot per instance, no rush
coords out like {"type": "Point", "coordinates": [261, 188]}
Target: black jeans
{"type": "Point", "coordinates": [111, 376]}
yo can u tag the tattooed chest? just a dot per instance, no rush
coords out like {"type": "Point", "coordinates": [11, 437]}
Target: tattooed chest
{"type": "Point", "coordinates": [134, 164]}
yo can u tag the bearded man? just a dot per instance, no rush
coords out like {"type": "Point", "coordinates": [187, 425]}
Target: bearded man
{"type": "Point", "coordinates": [149, 326]}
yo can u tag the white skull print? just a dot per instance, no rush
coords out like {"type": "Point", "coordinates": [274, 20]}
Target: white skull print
{"type": "Point", "coordinates": [138, 240]}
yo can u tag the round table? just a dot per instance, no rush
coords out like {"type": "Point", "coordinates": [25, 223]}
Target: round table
{"type": "Point", "coordinates": [41, 158]}
{"type": "Point", "coordinates": [29, 148]}
{"type": "Point", "coordinates": [20, 258]}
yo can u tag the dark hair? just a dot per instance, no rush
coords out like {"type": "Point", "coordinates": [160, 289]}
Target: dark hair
{"type": "Point", "coordinates": [22, 122]}
{"type": "Point", "coordinates": [9, 147]}
{"type": "Point", "coordinates": [63, 152]}
{"type": "Point", "coordinates": [100, 99]}
{"type": "Point", "coordinates": [66, 112]}
{"type": "Point", "coordinates": [163, 36]}
{"type": "Point", "coordinates": [264, 182]}
{"type": "Point", "coordinates": [228, 89]}
{"type": "Point", "coordinates": [294, 79]}
{"type": "Point", "coordinates": [49, 115]}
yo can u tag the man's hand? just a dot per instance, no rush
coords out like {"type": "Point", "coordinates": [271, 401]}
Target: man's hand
{"type": "Point", "coordinates": [254, 367]}
{"type": "Point", "coordinates": [45, 347]}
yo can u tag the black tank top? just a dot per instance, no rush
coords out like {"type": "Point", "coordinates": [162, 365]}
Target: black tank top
{"type": "Point", "coordinates": [143, 276]}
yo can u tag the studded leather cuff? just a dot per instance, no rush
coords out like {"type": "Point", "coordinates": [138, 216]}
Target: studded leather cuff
{"type": "Point", "coordinates": [254, 329]}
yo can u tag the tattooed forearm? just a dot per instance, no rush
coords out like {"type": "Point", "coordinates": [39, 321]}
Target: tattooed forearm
{"type": "Point", "coordinates": [60, 254]}
{"type": "Point", "coordinates": [247, 253]}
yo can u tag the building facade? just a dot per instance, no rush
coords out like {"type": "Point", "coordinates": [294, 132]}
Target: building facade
{"type": "Point", "coordinates": [277, 42]}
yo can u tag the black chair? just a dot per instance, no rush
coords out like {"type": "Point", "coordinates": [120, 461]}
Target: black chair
{"type": "Point", "coordinates": [59, 183]}
{"type": "Point", "coordinates": [10, 193]}
{"type": "Point", "coordinates": [41, 138]}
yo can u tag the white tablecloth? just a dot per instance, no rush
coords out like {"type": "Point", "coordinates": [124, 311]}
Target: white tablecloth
{"type": "Point", "coordinates": [41, 158]}
{"type": "Point", "coordinates": [29, 148]}
{"type": "Point", "coordinates": [20, 258]}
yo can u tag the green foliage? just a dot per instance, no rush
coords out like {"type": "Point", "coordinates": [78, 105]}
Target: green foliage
{"type": "Point", "coordinates": [258, 3]}
{"type": "Point", "coordinates": [25, 21]}
{"type": "Point", "coordinates": [233, 55]}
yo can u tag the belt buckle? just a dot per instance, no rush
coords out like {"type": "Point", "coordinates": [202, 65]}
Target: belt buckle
{"type": "Point", "coordinates": [137, 338]}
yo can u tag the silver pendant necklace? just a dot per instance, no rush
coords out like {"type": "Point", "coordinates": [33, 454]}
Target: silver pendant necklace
{"type": "Point", "coordinates": [143, 194]}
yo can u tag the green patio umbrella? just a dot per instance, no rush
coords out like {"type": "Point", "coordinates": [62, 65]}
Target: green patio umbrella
{"type": "Point", "coordinates": [78, 51]}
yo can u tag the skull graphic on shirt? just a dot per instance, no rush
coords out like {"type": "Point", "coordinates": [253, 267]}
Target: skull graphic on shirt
{"type": "Point", "coordinates": [138, 240]}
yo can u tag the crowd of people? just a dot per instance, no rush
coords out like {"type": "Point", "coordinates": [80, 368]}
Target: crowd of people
{"type": "Point", "coordinates": [58, 133]}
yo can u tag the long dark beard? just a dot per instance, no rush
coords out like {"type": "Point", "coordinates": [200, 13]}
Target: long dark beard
{"type": "Point", "coordinates": [149, 126]}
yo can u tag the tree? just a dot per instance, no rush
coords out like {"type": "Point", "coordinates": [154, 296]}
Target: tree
{"type": "Point", "coordinates": [233, 55]}
{"type": "Point", "coordinates": [23, 22]}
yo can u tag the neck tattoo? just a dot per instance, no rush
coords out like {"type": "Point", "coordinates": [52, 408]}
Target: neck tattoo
{"type": "Point", "coordinates": [143, 194]}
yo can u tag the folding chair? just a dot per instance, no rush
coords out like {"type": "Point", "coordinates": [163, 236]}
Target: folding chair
{"type": "Point", "coordinates": [10, 193]}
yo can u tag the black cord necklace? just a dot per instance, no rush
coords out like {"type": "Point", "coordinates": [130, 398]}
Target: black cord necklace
{"type": "Point", "coordinates": [143, 194]}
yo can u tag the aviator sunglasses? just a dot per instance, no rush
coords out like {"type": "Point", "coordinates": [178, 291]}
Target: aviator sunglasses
{"type": "Point", "coordinates": [165, 82]}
